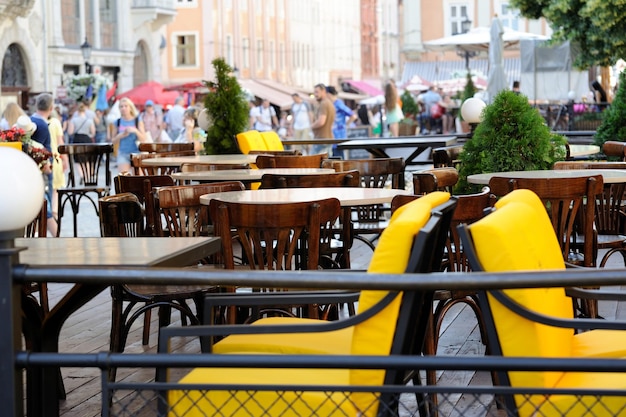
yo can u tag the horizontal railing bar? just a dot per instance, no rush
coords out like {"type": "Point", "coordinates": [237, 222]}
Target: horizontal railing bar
{"type": "Point", "coordinates": [324, 279]}
{"type": "Point", "coordinates": [105, 360]}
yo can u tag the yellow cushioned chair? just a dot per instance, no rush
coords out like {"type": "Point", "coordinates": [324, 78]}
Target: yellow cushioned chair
{"type": "Point", "coordinates": [251, 141]}
{"type": "Point", "coordinates": [520, 224]}
{"type": "Point", "coordinates": [376, 335]}
{"type": "Point", "coordinates": [336, 342]}
{"type": "Point", "coordinates": [272, 141]}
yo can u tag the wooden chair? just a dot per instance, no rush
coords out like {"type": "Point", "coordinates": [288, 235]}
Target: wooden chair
{"type": "Point", "coordinates": [191, 167]}
{"type": "Point", "coordinates": [81, 185]}
{"type": "Point", "coordinates": [121, 215]}
{"type": "Point", "coordinates": [181, 209]}
{"type": "Point", "coordinates": [447, 156]}
{"type": "Point", "coordinates": [142, 186]}
{"type": "Point", "coordinates": [436, 179]}
{"type": "Point", "coordinates": [395, 328]}
{"type": "Point", "coordinates": [136, 161]}
{"type": "Point", "coordinates": [293, 152]}
{"type": "Point", "coordinates": [615, 150]}
{"type": "Point", "coordinates": [375, 173]}
{"type": "Point", "coordinates": [610, 219]}
{"type": "Point", "coordinates": [520, 225]}
{"type": "Point", "coordinates": [165, 147]}
{"type": "Point", "coordinates": [281, 161]}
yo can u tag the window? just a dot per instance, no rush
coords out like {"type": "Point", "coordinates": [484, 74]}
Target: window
{"type": "Point", "coordinates": [259, 54]}
{"type": "Point", "coordinates": [108, 25]}
{"type": "Point", "coordinates": [186, 3]}
{"type": "Point", "coordinates": [458, 13]}
{"type": "Point", "coordinates": [186, 50]}
{"type": "Point", "coordinates": [271, 55]}
{"type": "Point", "coordinates": [509, 16]}
{"type": "Point", "coordinates": [70, 23]}
{"type": "Point", "coordinates": [245, 49]}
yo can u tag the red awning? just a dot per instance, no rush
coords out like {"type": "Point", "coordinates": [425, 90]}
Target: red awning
{"type": "Point", "coordinates": [150, 90]}
{"type": "Point", "coordinates": [365, 87]}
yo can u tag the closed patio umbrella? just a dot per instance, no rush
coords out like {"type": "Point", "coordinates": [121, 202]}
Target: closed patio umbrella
{"type": "Point", "coordinates": [497, 80]}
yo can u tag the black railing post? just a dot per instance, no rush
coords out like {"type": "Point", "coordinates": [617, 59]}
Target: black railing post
{"type": "Point", "coordinates": [11, 393]}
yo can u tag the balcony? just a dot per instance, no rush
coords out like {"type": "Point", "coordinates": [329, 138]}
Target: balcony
{"type": "Point", "coordinates": [10, 9]}
{"type": "Point", "coordinates": [156, 12]}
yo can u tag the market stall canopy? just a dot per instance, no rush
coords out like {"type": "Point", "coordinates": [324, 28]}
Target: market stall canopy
{"type": "Point", "coordinates": [194, 87]}
{"type": "Point", "coordinates": [364, 87]}
{"type": "Point", "coordinates": [150, 90]}
{"type": "Point", "coordinates": [477, 39]}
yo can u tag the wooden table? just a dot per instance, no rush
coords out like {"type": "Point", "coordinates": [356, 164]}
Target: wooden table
{"type": "Point", "coordinates": [246, 175]}
{"type": "Point", "coordinates": [110, 251]}
{"type": "Point", "coordinates": [378, 147]}
{"type": "Point", "coordinates": [609, 176]}
{"type": "Point", "coordinates": [177, 161]}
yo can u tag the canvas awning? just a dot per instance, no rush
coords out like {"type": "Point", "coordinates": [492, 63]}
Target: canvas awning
{"type": "Point", "coordinates": [365, 87]}
{"type": "Point", "coordinates": [260, 89]}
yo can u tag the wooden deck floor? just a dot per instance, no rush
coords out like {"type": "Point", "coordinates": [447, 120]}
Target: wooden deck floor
{"type": "Point", "coordinates": [88, 331]}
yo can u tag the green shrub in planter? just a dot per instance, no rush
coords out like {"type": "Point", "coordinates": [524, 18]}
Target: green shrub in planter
{"type": "Point", "coordinates": [228, 110]}
{"type": "Point", "coordinates": [511, 137]}
{"type": "Point", "coordinates": [613, 126]}
{"type": "Point", "coordinates": [409, 106]}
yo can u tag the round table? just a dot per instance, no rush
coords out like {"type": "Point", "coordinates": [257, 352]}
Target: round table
{"type": "Point", "coordinates": [583, 150]}
{"type": "Point", "coordinates": [347, 196]}
{"type": "Point", "coordinates": [176, 161]}
{"type": "Point", "coordinates": [609, 176]}
{"type": "Point", "coordinates": [246, 175]}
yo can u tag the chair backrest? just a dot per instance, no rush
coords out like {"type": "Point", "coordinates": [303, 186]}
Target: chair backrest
{"type": "Point", "coordinates": [335, 179]}
{"type": "Point", "coordinates": [39, 226]}
{"type": "Point", "coordinates": [190, 167]}
{"type": "Point", "coordinates": [588, 165]}
{"type": "Point", "coordinates": [413, 242]}
{"type": "Point", "coordinates": [136, 161]}
{"type": "Point", "coordinates": [274, 236]}
{"type": "Point", "coordinates": [436, 179]}
{"type": "Point", "coordinates": [89, 157]}
{"type": "Point", "coordinates": [518, 236]}
{"type": "Point", "coordinates": [165, 147]}
{"type": "Point", "coordinates": [251, 141]}
{"type": "Point", "coordinates": [613, 148]}
{"type": "Point", "coordinates": [447, 156]}
{"type": "Point", "coordinates": [272, 141]}
{"type": "Point", "coordinates": [571, 207]}
{"type": "Point", "coordinates": [121, 215]}
{"type": "Point", "coordinates": [293, 152]}
{"type": "Point", "coordinates": [142, 186]}
{"type": "Point", "coordinates": [374, 172]}
{"type": "Point", "coordinates": [181, 208]}
{"type": "Point", "coordinates": [288, 161]}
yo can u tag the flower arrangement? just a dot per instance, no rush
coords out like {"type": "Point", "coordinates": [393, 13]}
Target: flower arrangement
{"type": "Point", "coordinates": [34, 149]}
{"type": "Point", "coordinates": [77, 85]}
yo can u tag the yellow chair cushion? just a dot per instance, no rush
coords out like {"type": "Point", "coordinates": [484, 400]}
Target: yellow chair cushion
{"type": "Point", "coordinates": [272, 141]}
{"type": "Point", "coordinates": [250, 141]}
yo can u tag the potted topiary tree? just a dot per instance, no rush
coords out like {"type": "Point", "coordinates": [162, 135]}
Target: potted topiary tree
{"type": "Point", "coordinates": [511, 137]}
{"type": "Point", "coordinates": [613, 126]}
{"type": "Point", "coordinates": [408, 125]}
{"type": "Point", "coordinates": [228, 110]}
{"type": "Point", "coordinates": [468, 92]}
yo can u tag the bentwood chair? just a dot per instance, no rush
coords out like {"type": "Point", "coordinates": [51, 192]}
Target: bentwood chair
{"type": "Point", "coordinates": [143, 187]}
{"type": "Point", "coordinates": [436, 179]}
{"type": "Point", "coordinates": [288, 161]}
{"type": "Point", "coordinates": [86, 182]}
{"type": "Point", "coordinates": [38, 228]}
{"type": "Point", "coordinates": [121, 215]}
{"type": "Point", "coordinates": [415, 237]}
{"type": "Point", "coordinates": [615, 150]}
{"type": "Point", "coordinates": [520, 225]}
{"type": "Point", "coordinates": [165, 147]}
{"type": "Point", "coordinates": [447, 156]}
{"type": "Point", "coordinates": [137, 162]}
{"type": "Point", "coordinates": [375, 173]}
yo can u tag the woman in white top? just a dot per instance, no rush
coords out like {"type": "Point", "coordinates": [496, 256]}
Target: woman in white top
{"type": "Point", "coordinates": [192, 132]}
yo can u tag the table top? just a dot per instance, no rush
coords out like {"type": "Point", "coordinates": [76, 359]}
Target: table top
{"type": "Point", "coordinates": [347, 196]}
{"type": "Point", "coordinates": [583, 150]}
{"type": "Point", "coordinates": [609, 176]}
{"type": "Point", "coordinates": [246, 175]}
{"type": "Point", "coordinates": [402, 142]}
{"type": "Point", "coordinates": [113, 251]}
{"type": "Point", "coordinates": [200, 159]}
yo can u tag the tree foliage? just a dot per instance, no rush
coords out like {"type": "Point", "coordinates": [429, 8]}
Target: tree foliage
{"type": "Point", "coordinates": [228, 110]}
{"type": "Point", "coordinates": [597, 27]}
{"type": "Point", "coordinates": [511, 137]}
{"type": "Point", "coordinates": [613, 125]}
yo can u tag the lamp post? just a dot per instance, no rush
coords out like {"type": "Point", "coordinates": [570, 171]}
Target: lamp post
{"type": "Point", "coordinates": [85, 48]}
{"type": "Point", "coordinates": [466, 25]}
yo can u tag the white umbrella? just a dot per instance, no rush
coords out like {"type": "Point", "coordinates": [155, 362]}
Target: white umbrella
{"type": "Point", "coordinates": [477, 39]}
{"type": "Point", "coordinates": [497, 78]}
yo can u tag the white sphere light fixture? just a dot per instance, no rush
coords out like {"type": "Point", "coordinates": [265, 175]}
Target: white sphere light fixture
{"type": "Point", "coordinates": [22, 188]}
{"type": "Point", "coordinates": [472, 110]}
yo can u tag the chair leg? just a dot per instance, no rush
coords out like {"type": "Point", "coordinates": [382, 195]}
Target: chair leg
{"type": "Point", "coordinates": [145, 339]}
{"type": "Point", "coordinates": [430, 349]}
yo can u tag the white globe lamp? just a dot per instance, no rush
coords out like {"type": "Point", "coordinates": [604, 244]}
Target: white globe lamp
{"type": "Point", "coordinates": [22, 188]}
{"type": "Point", "coordinates": [472, 112]}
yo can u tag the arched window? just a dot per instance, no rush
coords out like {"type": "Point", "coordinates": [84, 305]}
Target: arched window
{"type": "Point", "coordinates": [14, 67]}
{"type": "Point", "coordinates": [140, 65]}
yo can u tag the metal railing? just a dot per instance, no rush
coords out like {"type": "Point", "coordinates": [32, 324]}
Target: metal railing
{"type": "Point", "coordinates": [139, 398]}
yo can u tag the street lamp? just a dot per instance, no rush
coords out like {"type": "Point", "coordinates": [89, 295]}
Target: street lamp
{"type": "Point", "coordinates": [466, 25]}
{"type": "Point", "coordinates": [85, 48]}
